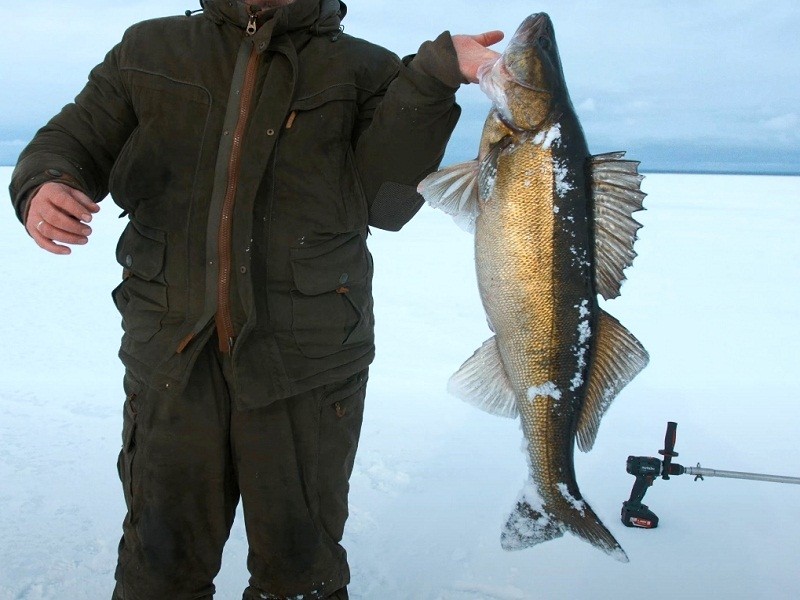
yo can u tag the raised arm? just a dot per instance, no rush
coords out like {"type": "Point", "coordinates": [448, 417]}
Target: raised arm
{"type": "Point", "coordinates": [405, 128]}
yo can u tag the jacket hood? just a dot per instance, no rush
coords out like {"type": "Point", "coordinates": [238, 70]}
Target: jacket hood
{"type": "Point", "coordinates": [316, 16]}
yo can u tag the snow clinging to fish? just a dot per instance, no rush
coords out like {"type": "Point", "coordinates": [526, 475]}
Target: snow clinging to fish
{"type": "Point", "coordinates": [553, 228]}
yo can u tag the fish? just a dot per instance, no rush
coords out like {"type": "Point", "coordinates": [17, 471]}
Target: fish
{"type": "Point", "coordinates": [554, 229]}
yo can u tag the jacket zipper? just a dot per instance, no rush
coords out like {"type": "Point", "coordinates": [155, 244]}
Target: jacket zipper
{"type": "Point", "coordinates": [223, 318]}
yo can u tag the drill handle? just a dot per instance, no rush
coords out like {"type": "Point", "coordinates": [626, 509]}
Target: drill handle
{"type": "Point", "coordinates": [669, 450]}
{"type": "Point", "coordinates": [640, 488]}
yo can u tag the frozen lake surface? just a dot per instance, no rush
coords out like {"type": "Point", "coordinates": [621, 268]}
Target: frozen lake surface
{"type": "Point", "coordinates": [712, 296]}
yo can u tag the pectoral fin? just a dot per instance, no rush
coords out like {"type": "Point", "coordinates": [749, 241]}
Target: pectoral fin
{"type": "Point", "coordinates": [617, 195]}
{"type": "Point", "coordinates": [454, 190]}
{"type": "Point", "coordinates": [460, 189]}
{"type": "Point", "coordinates": [482, 382]}
{"type": "Point", "coordinates": [618, 358]}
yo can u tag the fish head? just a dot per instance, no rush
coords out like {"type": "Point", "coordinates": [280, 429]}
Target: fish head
{"type": "Point", "coordinates": [526, 82]}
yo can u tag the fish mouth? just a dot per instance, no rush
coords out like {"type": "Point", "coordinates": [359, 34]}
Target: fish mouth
{"type": "Point", "coordinates": [534, 25]}
{"type": "Point", "coordinates": [527, 35]}
{"type": "Point", "coordinates": [518, 82]}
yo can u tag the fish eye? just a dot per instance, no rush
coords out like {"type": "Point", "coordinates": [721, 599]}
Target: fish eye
{"type": "Point", "coordinates": [544, 43]}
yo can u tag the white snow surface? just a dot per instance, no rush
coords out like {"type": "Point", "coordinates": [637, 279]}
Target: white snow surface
{"type": "Point", "coordinates": [712, 296]}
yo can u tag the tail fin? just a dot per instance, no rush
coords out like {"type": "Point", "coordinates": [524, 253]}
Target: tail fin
{"type": "Point", "coordinates": [591, 529]}
{"type": "Point", "coordinates": [530, 524]}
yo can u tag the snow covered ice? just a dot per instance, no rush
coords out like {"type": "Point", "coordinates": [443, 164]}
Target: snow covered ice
{"type": "Point", "coordinates": [712, 296]}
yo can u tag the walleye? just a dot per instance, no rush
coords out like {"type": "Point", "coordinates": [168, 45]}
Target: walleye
{"type": "Point", "coordinates": [553, 228]}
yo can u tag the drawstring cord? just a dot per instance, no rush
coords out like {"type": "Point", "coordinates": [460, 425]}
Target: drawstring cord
{"type": "Point", "coordinates": [189, 13]}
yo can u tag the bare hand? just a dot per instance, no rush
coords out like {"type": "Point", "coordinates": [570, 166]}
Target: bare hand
{"type": "Point", "coordinates": [473, 51]}
{"type": "Point", "coordinates": [59, 213]}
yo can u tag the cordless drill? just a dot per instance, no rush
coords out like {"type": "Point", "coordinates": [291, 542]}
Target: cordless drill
{"type": "Point", "coordinates": [646, 469]}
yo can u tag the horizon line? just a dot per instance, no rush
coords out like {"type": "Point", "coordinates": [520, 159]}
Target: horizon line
{"type": "Point", "coordinates": [659, 171]}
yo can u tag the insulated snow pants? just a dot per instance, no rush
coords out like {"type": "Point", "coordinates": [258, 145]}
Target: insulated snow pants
{"type": "Point", "coordinates": [185, 463]}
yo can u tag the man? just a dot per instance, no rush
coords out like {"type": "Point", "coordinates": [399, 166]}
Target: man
{"type": "Point", "coordinates": [250, 148]}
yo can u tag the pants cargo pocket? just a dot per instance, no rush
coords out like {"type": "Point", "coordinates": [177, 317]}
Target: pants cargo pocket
{"type": "Point", "coordinates": [128, 451]}
{"type": "Point", "coordinates": [340, 429]}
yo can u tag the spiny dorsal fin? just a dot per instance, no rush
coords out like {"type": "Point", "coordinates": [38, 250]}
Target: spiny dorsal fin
{"type": "Point", "coordinates": [482, 382]}
{"type": "Point", "coordinates": [618, 358]}
{"type": "Point", "coordinates": [617, 195]}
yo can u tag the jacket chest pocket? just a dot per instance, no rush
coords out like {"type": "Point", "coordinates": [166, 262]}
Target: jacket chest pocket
{"type": "Point", "coordinates": [324, 119]}
{"type": "Point", "coordinates": [332, 295]}
{"type": "Point", "coordinates": [141, 298]}
{"type": "Point", "coordinates": [161, 156]}
{"type": "Point", "coordinates": [315, 174]}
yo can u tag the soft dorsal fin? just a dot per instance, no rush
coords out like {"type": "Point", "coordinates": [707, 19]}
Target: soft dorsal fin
{"type": "Point", "coordinates": [618, 358]}
{"type": "Point", "coordinates": [482, 382]}
{"type": "Point", "coordinates": [617, 195]}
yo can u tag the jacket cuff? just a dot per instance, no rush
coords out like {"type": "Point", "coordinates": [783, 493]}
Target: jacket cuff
{"type": "Point", "coordinates": [438, 60]}
{"type": "Point", "coordinates": [23, 188]}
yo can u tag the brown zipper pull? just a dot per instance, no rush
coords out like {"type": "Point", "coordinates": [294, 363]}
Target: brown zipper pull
{"type": "Point", "coordinates": [290, 120]}
{"type": "Point", "coordinates": [185, 342]}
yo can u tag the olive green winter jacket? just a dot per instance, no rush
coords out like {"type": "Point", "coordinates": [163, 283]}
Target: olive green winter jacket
{"type": "Point", "coordinates": [250, 152]}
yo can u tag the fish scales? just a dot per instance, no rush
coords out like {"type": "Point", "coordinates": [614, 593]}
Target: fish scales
{"type": "Point", "coordinates": [527, 237]}
{"type": "Point", "coordinates": [553, 228]}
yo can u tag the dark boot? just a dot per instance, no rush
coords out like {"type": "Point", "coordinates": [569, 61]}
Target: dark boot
{"type": "Point", "coordinates": [251, 594]}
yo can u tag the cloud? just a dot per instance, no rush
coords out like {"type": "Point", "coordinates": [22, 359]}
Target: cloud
{"type": "Point", "coordinates": [786, 123]}
{"type": "Point", "coordinates": [629, 76]}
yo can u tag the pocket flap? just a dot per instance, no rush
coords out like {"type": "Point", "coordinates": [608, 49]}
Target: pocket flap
{"type": "Point", "coordinates": [337, 392]}
{"type": "Point", "coordinates": [166, 85]}
{"type": "Point", "coordinates": [326, 266]}
{"type": "Point", "coordinates": [344, 91]}
{"type": "Point", "coordinates": [141, 250]}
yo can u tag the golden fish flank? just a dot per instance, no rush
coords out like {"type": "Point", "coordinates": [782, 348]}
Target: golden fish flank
{"type": "Point", "coordinates": [553, 228]}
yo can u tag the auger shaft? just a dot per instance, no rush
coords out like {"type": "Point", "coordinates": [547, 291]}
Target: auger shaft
{"type": "Point", "coordinates": [698, 471]}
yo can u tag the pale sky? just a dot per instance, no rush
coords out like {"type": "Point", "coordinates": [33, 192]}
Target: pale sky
{"type": "Point", "coordinates": [682, 85]}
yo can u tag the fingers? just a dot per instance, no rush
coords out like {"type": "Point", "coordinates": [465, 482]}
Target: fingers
{"type": "Point", "coordinates": [473, 51]}
{"type": "Point", "coordinates": [58, 215]}
{"type": "Point", "coordinates": [488, 38]}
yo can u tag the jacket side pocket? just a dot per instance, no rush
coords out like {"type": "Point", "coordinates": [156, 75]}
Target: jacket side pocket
{"type": "Point", "coordinates": [141, 298]}
{"type": "Point", "coordinates": [332, 295]}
